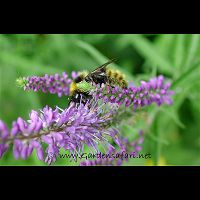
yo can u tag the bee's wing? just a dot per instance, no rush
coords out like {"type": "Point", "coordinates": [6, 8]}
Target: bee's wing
{"type": "Point", "coordinates": [107, 63]}
{"type": "Point", "coordinates": [102, 68]}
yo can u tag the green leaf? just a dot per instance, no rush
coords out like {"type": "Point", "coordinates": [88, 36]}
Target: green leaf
{"type": "Point", "coordinates": [34, 100]}
{"type": "Point", "coordinates": [173, 115]}
{"type": "Point", "coordinates": [165, 44]}
{"type": "Point", "coordinates": [193, 47]}
{"type": "Point", "coordinates": [179, 50]}
{"type": "Point", "coordinates": [149, 51]}
{"type": "Point", "coordinates": [186, 74]}
{"type": "Point", "coordinates": [155, 139]}
{"type": "Point", "coordinates": [184, 93]}
{"type": "Point", "coordinates": [24, 64]}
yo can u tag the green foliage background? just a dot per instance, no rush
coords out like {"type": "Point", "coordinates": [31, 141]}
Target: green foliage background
{"type": "Point", "coordinates": [174, 132]}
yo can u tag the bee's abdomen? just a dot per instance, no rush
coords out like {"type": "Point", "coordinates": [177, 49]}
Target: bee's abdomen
{"type": "Point", "coordinates": [116, 78]}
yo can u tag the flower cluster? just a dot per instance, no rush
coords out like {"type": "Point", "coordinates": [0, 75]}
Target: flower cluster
{"type": "Point", "coordinates": [70, 129]}
{"type": "Point", "coordinates": [154, 91]}
{"type": "Point", "coordinates": [80, 124]}
{"type": "Point", "coordinates": [48, 83]}
{"type": "Point", "coordinates": [116, 158]}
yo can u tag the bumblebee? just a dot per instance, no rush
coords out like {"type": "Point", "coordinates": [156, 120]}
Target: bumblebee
{"type": "Point", "coordinates": [101, 75]}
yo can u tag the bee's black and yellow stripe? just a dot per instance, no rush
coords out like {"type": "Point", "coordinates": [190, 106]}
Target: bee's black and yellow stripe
{"type": "Point", "coordinates": [115, 77]}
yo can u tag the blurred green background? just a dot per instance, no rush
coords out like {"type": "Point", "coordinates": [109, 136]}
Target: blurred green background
{"type": "Point", "coordinates": [172, 134]}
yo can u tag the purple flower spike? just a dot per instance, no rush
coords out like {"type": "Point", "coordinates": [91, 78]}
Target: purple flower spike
{"type": "Point", "coordinates": [55, 84]}
{"type": "Point", "coordinates": [70, 129]}
{"type": "Point", "coordinates": [154, 91]}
